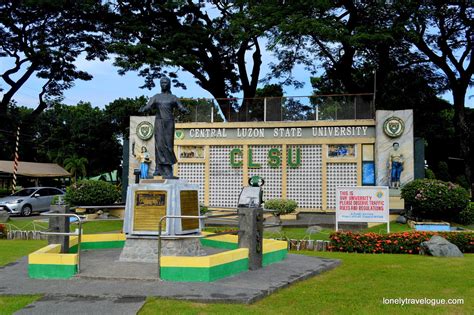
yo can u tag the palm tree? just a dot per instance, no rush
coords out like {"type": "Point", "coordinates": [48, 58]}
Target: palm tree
{"type": "Point", "coordinates": [76, 166]}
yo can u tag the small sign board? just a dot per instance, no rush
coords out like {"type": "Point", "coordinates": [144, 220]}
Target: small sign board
{"type": "Point", "coordinates": [362, 204]}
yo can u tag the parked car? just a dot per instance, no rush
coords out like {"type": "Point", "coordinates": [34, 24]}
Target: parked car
{"type": "Point", "coordinates": [29, 200]}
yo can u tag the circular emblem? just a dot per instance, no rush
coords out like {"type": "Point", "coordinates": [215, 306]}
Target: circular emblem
{"type": "Point", "coordinates": [393, 127]}
{"type": "Point", "coordinates": [256, 181]}
{"type": "Point", "coordinates": [145, 130]}
{"type": "Point", "coordinates": [179, 134]}
{"type": "Point", "coordinates": [379, 194]}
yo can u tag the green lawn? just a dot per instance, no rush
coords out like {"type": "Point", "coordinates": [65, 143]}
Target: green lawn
{"type": "Point", "coordinates": [11, 251]}
{"type": "Point", "coordinates": [89, 227]}
{"type": "Point", "coordinates": [356, 287]}
{"type": "Point", "coordinates": [11, 304]}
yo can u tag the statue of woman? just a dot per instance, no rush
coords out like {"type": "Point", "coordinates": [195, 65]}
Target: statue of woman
{"type": "Point", "coordinates": [164, 103]}
{"type": "Point", "coordinates": [144, 158]}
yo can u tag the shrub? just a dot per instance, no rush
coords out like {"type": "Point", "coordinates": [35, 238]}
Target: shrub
{"type": "Point", "coordinates": [395, 243]}
{"type": "Point", "coordinates": [92, 193]}
{"type": "Point", "coordinates": [5, 192]}
{"type": "Point", "coordinates": [435, 199]}
{"type": "Point", "coordinates": [466, 216]}
{"type": "Point", "coordinates": [281, 206]}
{"type": "Point", "coordinates": [429, 174]}
{"type": "Point", "coordinates": [203, 209]}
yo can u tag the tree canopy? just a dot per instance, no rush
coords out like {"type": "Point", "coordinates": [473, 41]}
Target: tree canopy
{"type": "Point", "coordinates": [45, 38]}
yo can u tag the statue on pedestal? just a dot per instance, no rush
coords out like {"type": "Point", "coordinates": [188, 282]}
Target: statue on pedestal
{"type": "Point", "coordinates": [144, 158]}
{"type": "Point", "coordinates": [164, 103]}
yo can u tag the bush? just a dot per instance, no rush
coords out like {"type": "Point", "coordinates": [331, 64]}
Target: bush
{"type": "Point", "coordinates": [92, 193]}
{"type": "Point", "coordinates": [435, 199]}
{"type": "Point", "coordinates": [5, 192]}
{"type": "Point", "coordinates": [466, 216]}
{"type": "Point", "coordinates": [281, 206]}
{"type": "Point", "coordinates": [395, 243]}
{"type": "Point", "coordinates": [429, 174]}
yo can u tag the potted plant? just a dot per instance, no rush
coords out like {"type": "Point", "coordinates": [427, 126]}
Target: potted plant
{"type": "Point", "coordinates": [278, 207]}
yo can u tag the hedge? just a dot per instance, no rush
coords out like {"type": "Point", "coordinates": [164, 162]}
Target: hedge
{"type": "Point", "coordinates": [435, 199]}
{"type": "Point", "coordinates": [395, 243]}
{"type": "Point", "coordinates": [92, 193]}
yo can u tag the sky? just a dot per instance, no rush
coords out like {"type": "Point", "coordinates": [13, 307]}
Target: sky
{"type": "Point", "coordinates": [107, 85]}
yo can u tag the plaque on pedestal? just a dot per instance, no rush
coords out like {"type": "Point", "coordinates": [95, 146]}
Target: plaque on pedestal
{"type": "Point", "coordinates": [149, 201]}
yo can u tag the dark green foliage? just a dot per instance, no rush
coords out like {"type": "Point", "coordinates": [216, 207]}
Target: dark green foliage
{"type": "Point", "coordinates": [157, 36]}
{"type": "Point", "coordinates": [429, 174]}
{"type": "Point", "coordinates": [92, 193]}
{"type": "Point", "coordinates": [119, 111]}
{"type": "Point", "coordinates": [466, 216]}
{"type": "Point", "coordinates": [5, 192]}
{"type": "Point", "coordinates": [435, 199]}
{"type": "Point", "coordinates": [282, 206]}
{"type": "Point", "coordinates": [83, 131]}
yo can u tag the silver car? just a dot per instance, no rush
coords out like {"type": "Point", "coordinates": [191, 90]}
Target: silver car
{"type": "Point", "coordinates": [29, 200]}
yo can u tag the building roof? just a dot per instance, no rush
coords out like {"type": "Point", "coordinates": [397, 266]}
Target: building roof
{"type": "Point", "coordinates": [34, 169]}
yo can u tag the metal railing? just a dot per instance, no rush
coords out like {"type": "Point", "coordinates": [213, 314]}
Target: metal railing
{"type": "Point", "coordinates": [284, 108]}
{"type": "Point", "coordinates": [78, 232]}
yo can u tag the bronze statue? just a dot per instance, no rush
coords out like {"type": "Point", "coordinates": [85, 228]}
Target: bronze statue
{"type": "Point", "coordinates": [164, 103]}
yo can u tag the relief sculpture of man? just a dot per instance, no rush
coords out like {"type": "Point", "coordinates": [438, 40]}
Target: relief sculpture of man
{"type": "Point", "coordinates": [164, 103]}
{"type": "Point", "coordinates": [395, 165]}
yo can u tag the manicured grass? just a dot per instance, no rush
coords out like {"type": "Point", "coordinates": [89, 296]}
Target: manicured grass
{"type": "Point", "coordinates": [298, 234]}
{"type": "Point", "coordinates": [11, 304]}
{"type": "Point", "coordinates": [356, 287]}
{"type": "Point", "coordinates": [394, 228]}
{"type": "Point", "coordinates": [12, 250]}
{"type": "Point", "coordinates": [89, 227]}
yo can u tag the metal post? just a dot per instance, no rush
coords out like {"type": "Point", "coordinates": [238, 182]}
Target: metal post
{"type": "Point", "coordinates": [78, 233]}
{"type": "Point", "coordinates": [265, 109]}
{"type": "Point", "coordinates": [212, 112]}
{"type": "Point", "coordinates": [15, 162]}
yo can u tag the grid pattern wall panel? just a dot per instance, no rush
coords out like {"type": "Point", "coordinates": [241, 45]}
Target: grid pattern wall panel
{"type": "Point", "coordinates": [194, 173]}
{"type": "Point", "coordinates": [271, 175]}
{"type": "Point", "coordinates": [304, 183]}
{"type": "Point", "coordinates": [339, 175]}
{"type": "Point", "coordinates": [225, 182]}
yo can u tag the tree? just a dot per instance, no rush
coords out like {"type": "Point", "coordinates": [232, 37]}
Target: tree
{"type": "Point", "coordinates": [76, 166]}
{"type": "Point", "coordinates": [208, 39]}
{"type": "Point", "coordinates": [82, 130]}
{"type": "Point", "coordinates": [443, 33]}
{"type": "Point", "coordinates": [119, 111]}
{"type": "Point", "coordinates": [46, 37]}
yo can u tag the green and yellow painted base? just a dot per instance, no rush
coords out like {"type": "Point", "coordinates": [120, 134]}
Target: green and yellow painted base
{"type": "Point", "coordinates": [273, 250]}
{"type": "Point", "coordinates": [205, 268]}
{"type": "Point", "coordinates": [98, 241]}
{"type": "Point", "coordinates": [49, 263]}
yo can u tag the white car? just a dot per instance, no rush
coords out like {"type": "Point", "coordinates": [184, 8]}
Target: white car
{"type": "Point", "coordinates": [29, 200]}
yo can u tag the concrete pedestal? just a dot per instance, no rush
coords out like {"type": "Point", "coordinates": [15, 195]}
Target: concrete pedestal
{"type": "Point", "coordinates": [146, 249]}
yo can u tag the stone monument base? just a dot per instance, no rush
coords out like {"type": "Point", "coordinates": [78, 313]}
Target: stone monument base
{"type": "Point", "coordinates": [138, 249]}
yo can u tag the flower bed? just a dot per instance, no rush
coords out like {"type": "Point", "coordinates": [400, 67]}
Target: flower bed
{"type": "Point", "coordinates": [395, 243]}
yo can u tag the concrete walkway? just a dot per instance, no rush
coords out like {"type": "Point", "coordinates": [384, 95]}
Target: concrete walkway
{"type": "Point", "coordinates": [123, 290]}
